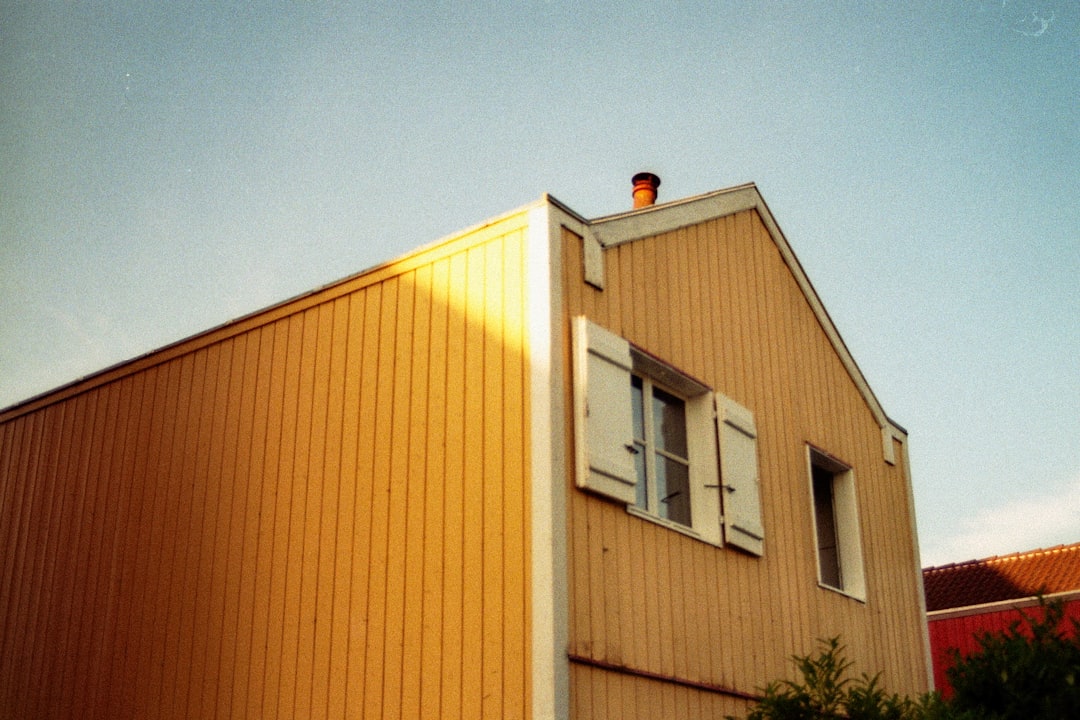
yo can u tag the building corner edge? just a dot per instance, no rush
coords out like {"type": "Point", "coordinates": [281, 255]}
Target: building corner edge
{"type": "Point", "coordinates": [549, 665]}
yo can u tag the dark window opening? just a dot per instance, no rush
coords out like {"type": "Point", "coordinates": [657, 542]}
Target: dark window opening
{"type": "Point", "coordinates": [825, 520]}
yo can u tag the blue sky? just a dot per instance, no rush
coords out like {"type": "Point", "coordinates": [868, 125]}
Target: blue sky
{"type": "Point", "coordinates": [167, 167]}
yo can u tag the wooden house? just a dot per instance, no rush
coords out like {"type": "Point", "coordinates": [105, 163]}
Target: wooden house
{"type": "Point", "coordinates": [548, 467]}
{"type": "Point", "coordinates": [969, 599]}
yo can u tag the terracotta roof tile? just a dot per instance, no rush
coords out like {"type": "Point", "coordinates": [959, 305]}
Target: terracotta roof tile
{"type": "Point", "coordinates": [1005, 577]}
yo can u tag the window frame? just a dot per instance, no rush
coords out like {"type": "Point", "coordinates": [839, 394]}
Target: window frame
{"type": "Point", "coordinates": [824, 467]}
{"type": "Point", "coordinates": [650, 450]}
{"type": "Point", "coordinates": [702, 452]}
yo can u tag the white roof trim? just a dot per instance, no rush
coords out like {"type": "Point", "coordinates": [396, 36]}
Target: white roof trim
{"type": "Point", "coordinates": [653, 220]}
{"type": "Point", "coordinates": [1013, 604]}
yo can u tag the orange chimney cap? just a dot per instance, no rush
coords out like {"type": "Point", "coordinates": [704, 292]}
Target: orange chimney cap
{"type": "Point", "coordinates": [645, 185]}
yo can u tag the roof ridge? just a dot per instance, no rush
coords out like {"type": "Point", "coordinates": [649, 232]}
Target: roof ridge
{"type": "Point", "coordinates": [1034, 553]}
{"type": "Point", "coordinates": [1022, 554]}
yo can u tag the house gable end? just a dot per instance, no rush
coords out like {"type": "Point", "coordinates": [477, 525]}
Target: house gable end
{"type": "Point", "coordinates": [709, 289]}
{"type": "Point", "coordinates": [614, 230]}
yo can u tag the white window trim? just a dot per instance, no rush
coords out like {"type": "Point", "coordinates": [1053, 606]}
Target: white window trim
{"type": "Point", "coordinates": [846, 518]}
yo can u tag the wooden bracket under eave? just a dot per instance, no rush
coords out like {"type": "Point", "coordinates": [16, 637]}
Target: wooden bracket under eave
{"type": "Point", "coordinates": [594, 259]}
{"type": "Point", "coordinates": [889, 433]}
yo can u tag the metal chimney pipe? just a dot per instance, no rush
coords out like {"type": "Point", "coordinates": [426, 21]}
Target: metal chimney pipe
{"type": "Point", "coordinates": [645, 184]}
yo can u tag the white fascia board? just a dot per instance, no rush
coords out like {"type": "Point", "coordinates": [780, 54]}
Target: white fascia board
{"type": "Point", "coordinates": [1014, 604]}
{"type": "Point", "coordinates": [822, 314]}
{"type": "Point", "coordinates": [656, 219]}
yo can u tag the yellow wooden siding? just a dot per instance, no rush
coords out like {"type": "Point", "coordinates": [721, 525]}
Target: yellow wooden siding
{"type": "Point", "coordinates": [319, 511]}
{"type": "Point", "coordinates": [717, 301]}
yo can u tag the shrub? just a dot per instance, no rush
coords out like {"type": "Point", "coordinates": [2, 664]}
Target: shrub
{"type": "Point", "coordinates": [827, 691]}
{"type": "Point", "coordinates": [1030, 671]}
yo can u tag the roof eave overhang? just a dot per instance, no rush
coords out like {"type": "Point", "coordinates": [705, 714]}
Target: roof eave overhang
{"type": "Point", "coordinates": [1065, 596]}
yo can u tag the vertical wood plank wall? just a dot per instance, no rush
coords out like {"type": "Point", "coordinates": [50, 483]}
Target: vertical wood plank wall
{"type": "Point", "coordinates": [319, 511]}
{"type": "Point", "coordinates": [961, 632]}
{"type": "Point", "coordinates": [717, 301]}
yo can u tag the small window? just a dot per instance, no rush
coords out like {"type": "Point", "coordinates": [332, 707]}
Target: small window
{"type": "Point", "coordinates": [836, 526]}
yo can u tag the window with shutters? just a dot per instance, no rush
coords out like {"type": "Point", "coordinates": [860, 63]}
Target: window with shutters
{"type": "Point", "coordinates": [647, 436]}
{"type": "Point", "coordinates": [836, 527]}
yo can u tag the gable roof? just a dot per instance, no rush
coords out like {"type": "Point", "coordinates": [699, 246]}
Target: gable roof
{"type": "Point", "coordinates": [651, 220]}
{"type": "Point", "coordinates": [1008, 577]}
{"type": "Point", "coordinates": [606, 231]}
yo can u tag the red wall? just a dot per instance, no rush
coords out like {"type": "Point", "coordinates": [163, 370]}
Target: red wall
{"type": "Point", "coordinates": [962, 633]}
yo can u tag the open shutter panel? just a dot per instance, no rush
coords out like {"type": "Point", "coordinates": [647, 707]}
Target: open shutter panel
{"type": "Point", "coordinates": [604, 427]}
{"type": "Point", "coordinates": [739, 476]}
{"type": "Point", "coordinates": [704, 468]}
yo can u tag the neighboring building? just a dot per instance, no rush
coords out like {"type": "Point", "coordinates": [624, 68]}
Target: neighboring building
{"type": "Point", "coordinates": [547, 467]}
{"type": "Point", "coordinates": [966, 600]}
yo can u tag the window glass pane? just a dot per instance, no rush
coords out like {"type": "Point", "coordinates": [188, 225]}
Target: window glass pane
{"type": "Point", "coordinates": [825, 517]}
{"type": "Point", "coordinates": [669, 421]}
{"type": "Point", "coordinates": [639, 408]}
{"type": "Point", "coordinates": [642, 483]}
{"type": "Point", "coordinates": [673, 489]}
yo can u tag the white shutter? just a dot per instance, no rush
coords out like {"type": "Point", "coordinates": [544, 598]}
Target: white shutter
{"type": "Point", "coordinates": [603, 419]}
{"type": "Point", "coordinates": [739, 476]}
{"type": "Point", "coordinates": [704, 468]}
